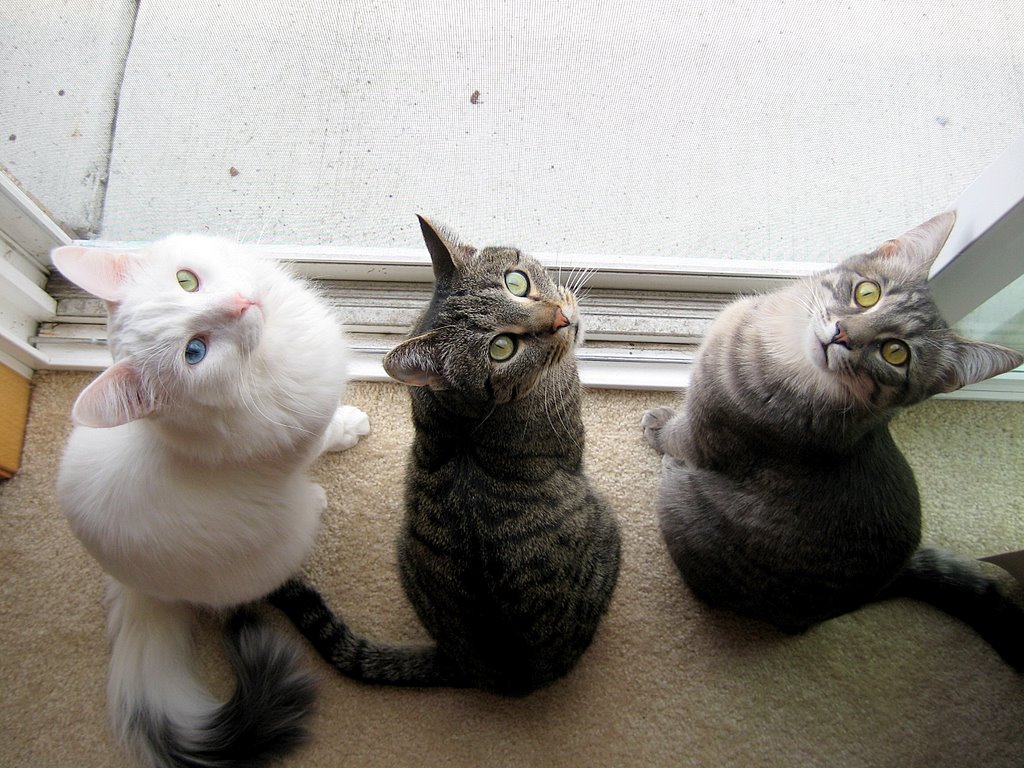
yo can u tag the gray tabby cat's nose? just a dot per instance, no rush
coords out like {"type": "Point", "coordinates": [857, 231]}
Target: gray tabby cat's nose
{"type": "Point", "coordinates": [840, 336]}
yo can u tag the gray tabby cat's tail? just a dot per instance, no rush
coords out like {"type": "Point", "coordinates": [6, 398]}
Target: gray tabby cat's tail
{"type": "Point", "coordinates": [358, 657]}
{"type": "Point", "coordinates": [957, 586]}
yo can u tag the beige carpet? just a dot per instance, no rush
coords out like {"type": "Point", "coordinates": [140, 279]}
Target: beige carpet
{"type": "Point", "coordinates": [666, 682]}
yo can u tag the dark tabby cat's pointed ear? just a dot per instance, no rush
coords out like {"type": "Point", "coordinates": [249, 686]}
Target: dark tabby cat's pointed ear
{"type": "Point", "coordinates": [974, 361]}
{"type": "Point", "coordinates": [919, 246]}
{"type": "Point", "coordinates": [413, 362]}
{"type": "Point", "coordinates": [446, 250]}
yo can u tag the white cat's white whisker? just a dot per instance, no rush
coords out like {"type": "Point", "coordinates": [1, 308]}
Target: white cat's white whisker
{"type": "Point", "coordinates": [185, 479]}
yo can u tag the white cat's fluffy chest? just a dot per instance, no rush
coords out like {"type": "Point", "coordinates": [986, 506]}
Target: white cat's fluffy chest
{"type": "Point", "coordinates": [217, 535]}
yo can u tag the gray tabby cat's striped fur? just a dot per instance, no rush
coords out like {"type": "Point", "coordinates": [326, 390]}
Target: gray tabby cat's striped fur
{"type": "Point", "coordinates": [783, 495]}
{"type": "Point", "coordinates": [507, 553]}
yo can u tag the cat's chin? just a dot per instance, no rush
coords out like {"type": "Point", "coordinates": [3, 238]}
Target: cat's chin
{"type": "Point", "coordinates": [817, 351]}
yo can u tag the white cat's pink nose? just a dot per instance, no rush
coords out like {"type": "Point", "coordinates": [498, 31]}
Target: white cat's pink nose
{"type": "Point", "coordinates": [239, 304]}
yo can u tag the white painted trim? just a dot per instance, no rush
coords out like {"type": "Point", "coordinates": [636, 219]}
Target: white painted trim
{"type": "Point", "coordinates": [601, 369]}
{"type": "Point", "coordinates": [14, 363]}
{"type": "Point", "coordinates": [604, 270]}
{"type": "Point", "coordinates": [20, 293]}
{"type": "Point", "coordinates": [610, 366]}
{"type": "Point", "coordinates": [27, 226]}
{"type": "Point", "coordinates": [27, 234]}
{"type": "Point", "coordinates": [985, 249]}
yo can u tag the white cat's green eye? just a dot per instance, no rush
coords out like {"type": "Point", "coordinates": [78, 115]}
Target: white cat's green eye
{"type": "Point", "coordinates": [867, 293]}
{"type": "Point", "coordinates": [895, 352]}
{"type": "Point", "coordinates": [502, 348]}
{"type": "Point", "coordinates": [518, 283]}
{"type": "Point", "coordinates": [188, 280]}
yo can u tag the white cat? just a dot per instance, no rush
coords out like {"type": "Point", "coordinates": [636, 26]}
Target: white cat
{"type": "Point", "coordinates": [185, 478]}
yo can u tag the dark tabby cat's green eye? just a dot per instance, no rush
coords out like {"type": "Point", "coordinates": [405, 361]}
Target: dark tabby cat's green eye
{"type": "Point", "coordinates": [502, 348]}
{"type": "Point", "coordinates": [895, 352]}
{"type": "Point", "coordinates": [188, 280]}
{"type": "Point", "coordinates": [867, 293]}
{"type": "Point", "coordinates": [518, 283]}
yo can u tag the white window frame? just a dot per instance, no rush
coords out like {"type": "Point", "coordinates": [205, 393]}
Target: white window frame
{"type": "Point", "coordinates": [28, 235]}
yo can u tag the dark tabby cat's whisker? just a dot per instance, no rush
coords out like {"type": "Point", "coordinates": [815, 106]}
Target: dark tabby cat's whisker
{"type": "Point", "coordinates": [496, 504]}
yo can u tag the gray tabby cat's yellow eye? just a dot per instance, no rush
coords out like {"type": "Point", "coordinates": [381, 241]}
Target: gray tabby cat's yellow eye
{"type": "Point", "coordinates": [188, 280]}
{"type": "Point", "coordinates": [867, 293]}
{"type": "Point", "coordinates": [895, 352]}
{"type": "Point", "coordinates": [518, 283]}
{"type": "Point", "coordinates": [502, 348]}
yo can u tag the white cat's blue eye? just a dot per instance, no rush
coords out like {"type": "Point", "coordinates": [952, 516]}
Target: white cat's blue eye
{"type": "Point", "coordinates": [502, 348]}
{"type": "Point", "coordinates": [518, 283]}
{"type": "Point", "coordinates": [195, 351]}
{"type": "Point", "coordinates": [188, 280]}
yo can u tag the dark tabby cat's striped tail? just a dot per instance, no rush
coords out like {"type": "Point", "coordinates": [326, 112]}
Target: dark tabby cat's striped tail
{"type": "Point", "coordinates": [957, 586]}
{"type": "Point", "coordinates": [356, 656]}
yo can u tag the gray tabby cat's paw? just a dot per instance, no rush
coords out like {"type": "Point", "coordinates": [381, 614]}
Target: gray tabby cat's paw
{"type": "Point", "coordinates": [347, 426]}
{"type": "Point", "coordinates": [652, 423]}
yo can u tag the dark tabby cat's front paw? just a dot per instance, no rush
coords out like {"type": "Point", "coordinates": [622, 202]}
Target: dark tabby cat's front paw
{"type": "Point", "coordinates": [652, 422]}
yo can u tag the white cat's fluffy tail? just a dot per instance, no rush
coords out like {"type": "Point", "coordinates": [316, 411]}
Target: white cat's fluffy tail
{"type": "Point", "coordinates": [161, 710]}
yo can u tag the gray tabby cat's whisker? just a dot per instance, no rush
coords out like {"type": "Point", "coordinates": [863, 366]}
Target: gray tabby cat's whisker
{"type": "Point", "coordinates": [805, 380]}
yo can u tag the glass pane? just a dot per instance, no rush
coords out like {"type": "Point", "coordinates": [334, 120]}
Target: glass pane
{"type": "Point", "coordinates": [1000, 319]}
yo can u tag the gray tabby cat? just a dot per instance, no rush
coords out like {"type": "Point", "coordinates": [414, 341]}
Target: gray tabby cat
{"type": "Point", "coordinates": [507, 553]}
{"type": "Point", "coordinates": [783, 495]}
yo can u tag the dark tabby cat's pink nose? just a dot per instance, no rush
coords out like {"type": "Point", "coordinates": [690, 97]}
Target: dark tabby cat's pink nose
{"type": "Point", "coordinates": [560, 320]}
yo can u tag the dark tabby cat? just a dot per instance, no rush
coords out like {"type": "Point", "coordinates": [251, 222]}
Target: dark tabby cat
{"type": "Point", "coordinates": [783, 495]}
{"type": "Point", "coordinates": [507, 553]}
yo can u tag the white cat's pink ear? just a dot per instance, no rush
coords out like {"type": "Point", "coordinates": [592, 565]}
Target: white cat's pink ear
{"type": "Point", "coordinates": [412, 363]}
{"type": "Point", "coordinates": [99, 271]}
{"type": "Point", "coordinates": [920, 245]}
{"type": "Point", "coordinates": [115, 397]}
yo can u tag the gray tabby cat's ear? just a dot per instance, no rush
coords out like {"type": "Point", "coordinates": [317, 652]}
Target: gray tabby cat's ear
{"type": "Point", "coordinates": [919, 246]}
{"type": "Point", "coordinates": [975, 361]}
{"type": "Point", "coordinates": [413, 362]}
{"type": "Point", "coordinates": [447, 252]}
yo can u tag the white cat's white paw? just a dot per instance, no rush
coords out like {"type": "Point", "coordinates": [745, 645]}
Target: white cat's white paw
{"type": "Point", "coordinates": [346, 427]}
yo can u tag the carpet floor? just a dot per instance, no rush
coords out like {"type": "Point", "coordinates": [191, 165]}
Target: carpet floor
{"type": "Point", "coordinates": [667, 681]}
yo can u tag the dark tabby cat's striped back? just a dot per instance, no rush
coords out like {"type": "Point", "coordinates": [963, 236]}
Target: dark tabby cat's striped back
{"type": "Point", "coordinates": [507, 553]}
{"type": "Point", "coordinates": [783, 495]}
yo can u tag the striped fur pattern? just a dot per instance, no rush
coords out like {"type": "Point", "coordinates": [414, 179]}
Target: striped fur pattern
{"type": "Point", "coordinates": [507, 553]}
{"type": "Point", "coordinates": [783, 495]}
